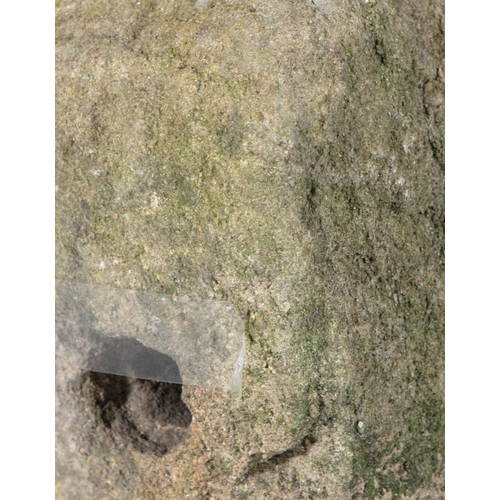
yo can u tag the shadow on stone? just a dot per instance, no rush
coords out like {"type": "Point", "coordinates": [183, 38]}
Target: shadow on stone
{"type": "Point", "coordinates": [146, 414]}
{"type": "Point", "coordinates": [128, 357]}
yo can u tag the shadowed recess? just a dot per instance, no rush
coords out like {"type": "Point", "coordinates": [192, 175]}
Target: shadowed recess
{"type": "Point", "coordinates": [146, 414]}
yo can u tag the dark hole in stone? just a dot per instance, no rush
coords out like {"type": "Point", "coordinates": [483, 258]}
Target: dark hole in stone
{"type": "Point", "coordinates": [127, 356]}
{"type": "Point", "coordinates": [147, 414]}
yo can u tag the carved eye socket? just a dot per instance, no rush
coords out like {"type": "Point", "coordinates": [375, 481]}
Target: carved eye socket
{"type": "Point", "coordinates": [150, 416]}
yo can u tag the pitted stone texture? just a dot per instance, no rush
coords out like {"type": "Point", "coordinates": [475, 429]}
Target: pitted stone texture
{"type": "Point", "coordinates": [287, 157]}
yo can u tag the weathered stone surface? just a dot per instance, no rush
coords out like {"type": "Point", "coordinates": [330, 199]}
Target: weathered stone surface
{"type": "Point", "coordinates": [288, 157]}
